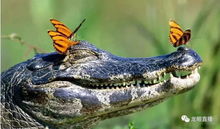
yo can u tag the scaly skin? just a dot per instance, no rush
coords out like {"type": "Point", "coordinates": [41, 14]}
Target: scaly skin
{"type": "Point", "coordinates": [90, 85]}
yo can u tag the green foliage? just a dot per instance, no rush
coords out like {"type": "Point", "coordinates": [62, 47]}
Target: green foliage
{"type": "Point", "coordinates": [131, 125]}
{"type": "Point", "coordinates": [131, 29]}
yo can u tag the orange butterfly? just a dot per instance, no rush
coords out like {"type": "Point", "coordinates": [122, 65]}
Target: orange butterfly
{"type": "Point", "coordinates": [62, 36]}
{"type": "Point", "coordinates": [177, 35]}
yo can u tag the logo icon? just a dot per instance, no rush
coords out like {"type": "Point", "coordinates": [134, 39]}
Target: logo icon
{"type": "Point", "coordinates": [185, 118]}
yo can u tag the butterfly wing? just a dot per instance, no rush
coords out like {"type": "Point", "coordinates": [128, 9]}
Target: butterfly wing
{"type": "Point", "coordinates": [184, 38]}
{"type": "Point", "coordinates": [61, 37]}
{"type": "Point", "coordinates": [177, 36]}
{"type": "Point", "coordinates": [61, 28]}
{"type": "Point", "coordinates": [60, 42]}
{"type": "Point", "coordinates": [187, 35]}
{"type": "Point", "coordinates": [175, 32]}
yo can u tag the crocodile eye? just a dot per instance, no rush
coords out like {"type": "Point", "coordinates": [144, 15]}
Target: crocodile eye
{"type": "Point", "coordinates": [83, 55]}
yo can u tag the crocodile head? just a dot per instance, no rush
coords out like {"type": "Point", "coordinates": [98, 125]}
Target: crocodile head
{"type": "Point", "coordinates": [92, 84]}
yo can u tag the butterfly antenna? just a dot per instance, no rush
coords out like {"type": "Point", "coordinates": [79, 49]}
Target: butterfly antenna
{"type": "Point", "coordinates": [79, 26]}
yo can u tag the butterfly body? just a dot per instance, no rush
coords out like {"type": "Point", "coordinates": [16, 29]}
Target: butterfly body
{"type": "Point", "coordinates": [62, 36]}
{"type": "Point", "coordinates": [177, 35]}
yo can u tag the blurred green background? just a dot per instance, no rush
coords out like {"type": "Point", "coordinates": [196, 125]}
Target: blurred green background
{"type": "Point", "coordinates": [128, 28]}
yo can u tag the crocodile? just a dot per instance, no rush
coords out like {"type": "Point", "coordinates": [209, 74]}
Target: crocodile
{"type": "Point", "coordinates": [89, 85]}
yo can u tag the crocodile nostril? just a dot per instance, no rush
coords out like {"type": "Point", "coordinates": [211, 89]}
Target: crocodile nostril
{"type": "Point", "coordinates": [182, 49]}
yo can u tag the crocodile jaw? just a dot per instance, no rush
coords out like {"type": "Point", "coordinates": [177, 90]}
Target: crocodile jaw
{"type": "Point", "coordinates": [187, 83]}
{"type": "Point", "coordinates": [69, 99]}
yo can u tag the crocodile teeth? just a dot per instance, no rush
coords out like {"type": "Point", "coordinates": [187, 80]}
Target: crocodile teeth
{"type": "Point", "coordinates": [171, 75]}
{"type": "Point", "coordinates": [150, 82]}
{"type": "Point", "coordinates": [164, 77]}
{"type": "Point", "coordinates": [194, 71]}
{"type": "Point", "coordinates": [116, 84]}
{"type": "Point", "coordinates": [146, 82]}
{"type": "Point", "coordinates": [159, 78]}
